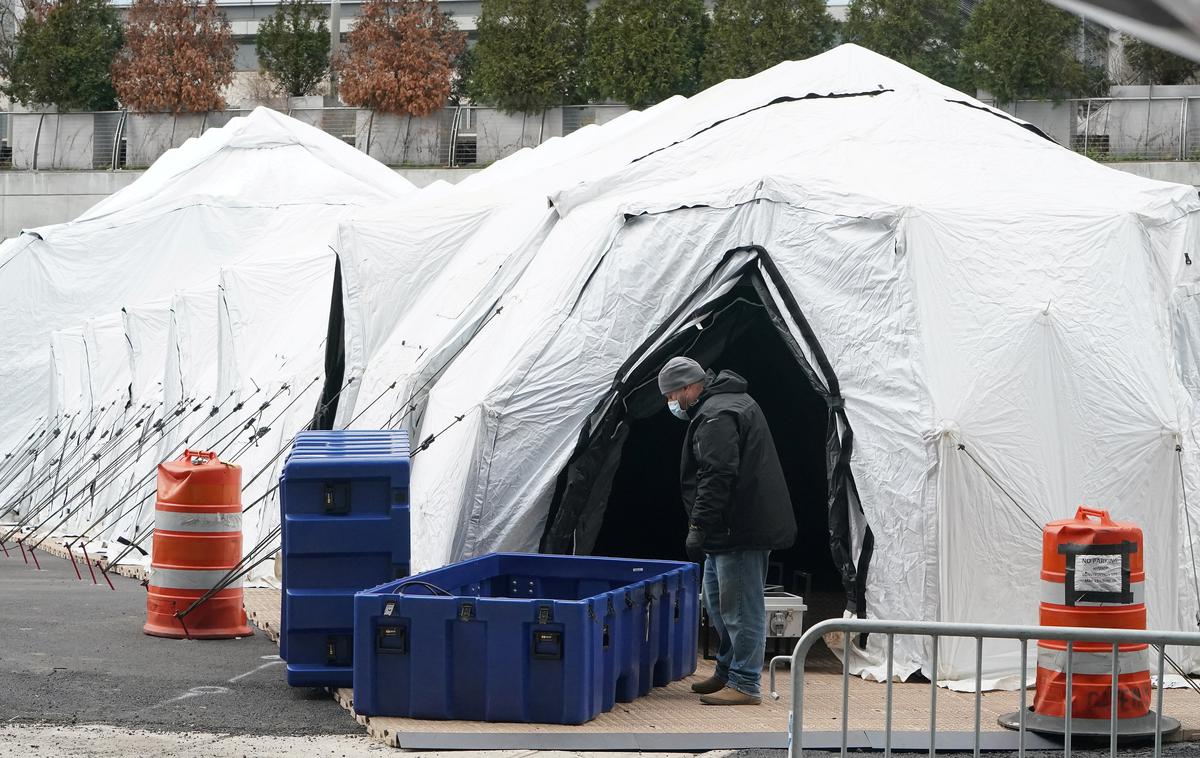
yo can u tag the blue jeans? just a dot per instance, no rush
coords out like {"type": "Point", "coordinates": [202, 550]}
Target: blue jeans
{"type": "Point", "coordinates": [733, 595]}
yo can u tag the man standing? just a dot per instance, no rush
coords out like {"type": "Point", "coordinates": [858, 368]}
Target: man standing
{"type": "Point", "coordinates": [739, 511]}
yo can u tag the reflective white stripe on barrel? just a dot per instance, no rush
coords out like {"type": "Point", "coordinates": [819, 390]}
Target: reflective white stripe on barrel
{"type": "Point", "coordinates": [180, 521]}
{"type": "Point", "coordinates": [1128, 662]}
{"type": "Point", "coordinates": [189, 579]}
{"type": "Point", "coordinates": [1055, 593]}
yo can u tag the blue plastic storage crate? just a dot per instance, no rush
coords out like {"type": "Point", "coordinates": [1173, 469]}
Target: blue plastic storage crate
{"type": "Point", "coordinates": [345, 517]}
{"type": "Point", "coordinates": [526, 638]}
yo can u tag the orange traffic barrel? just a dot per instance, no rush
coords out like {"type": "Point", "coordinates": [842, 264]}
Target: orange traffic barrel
{"type": "Point", "coordinates": [1092, 577]}
{"type": "Point", "coordinates": [197, 540]}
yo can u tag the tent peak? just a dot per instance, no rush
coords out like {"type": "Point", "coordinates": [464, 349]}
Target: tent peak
{"type": "Point", "coordinates": [203, 165]}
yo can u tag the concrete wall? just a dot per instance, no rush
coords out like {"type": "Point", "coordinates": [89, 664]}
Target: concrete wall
{"type": "Point", "coordinates": [1056, 120]}
{"type": "Point", "coordinates": [30, 199]}
{"type": "Point", "coordinates": [396, 139]}
{"type": "Point", "coordinates": [66, 140]}
{"type": "Point", "coordinates": [1180, 172]}
{"type": "Point", "coordinates": [36, 198]}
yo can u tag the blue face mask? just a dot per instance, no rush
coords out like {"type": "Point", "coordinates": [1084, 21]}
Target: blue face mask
{"type": "Point", "coordinates": [677, 410]}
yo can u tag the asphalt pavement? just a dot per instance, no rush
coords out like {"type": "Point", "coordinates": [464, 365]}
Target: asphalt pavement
{"type": "Point", "coordinates": [78, 678]}
{"type": "Point", "coordinates": [74, 653]}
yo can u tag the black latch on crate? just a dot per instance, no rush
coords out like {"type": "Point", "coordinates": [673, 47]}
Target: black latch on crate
{"type": "Point", "coordinates": [339, 650]}
{"type": "Point", "coordinates": [547, 646]}
{"type": "Point", "coordinates": [392, 639]}
{"type": "Point", "coordinates": [544, 615]}
{"type": "Point", "coordinates": [337, 498]}
{"type": "Point", "coordinates": [466, 612]}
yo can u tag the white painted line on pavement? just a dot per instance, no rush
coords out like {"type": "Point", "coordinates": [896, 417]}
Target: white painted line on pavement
{"type": "Point", "coordinates": [239, 677]}
{"type": "Point", "coordinates": [193, 692]}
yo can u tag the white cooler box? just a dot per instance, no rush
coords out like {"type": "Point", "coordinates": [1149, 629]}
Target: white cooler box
{"type": "Point", "coordinates": [785, 620]}
{"type": "Point", "coordinates": [785, 614]}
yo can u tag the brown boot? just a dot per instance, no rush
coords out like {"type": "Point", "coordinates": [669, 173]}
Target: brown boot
{"type": "Point", "coordinates": [730, 696]}
{"type": "Point", "coordinates": [708, 686]}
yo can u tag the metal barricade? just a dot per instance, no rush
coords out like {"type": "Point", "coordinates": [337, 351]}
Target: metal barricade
{"type": "Point", "coordinates": [979, 632]}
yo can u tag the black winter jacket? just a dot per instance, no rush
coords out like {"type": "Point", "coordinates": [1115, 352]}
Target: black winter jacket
{"type": "Point", "coordinates": [732, 482]}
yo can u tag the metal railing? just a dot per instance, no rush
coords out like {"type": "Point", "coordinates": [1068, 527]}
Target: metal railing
{"type": "Point", "coordinates": [456, 136]}
{"type": "Point", "coordinates": [979, 632]}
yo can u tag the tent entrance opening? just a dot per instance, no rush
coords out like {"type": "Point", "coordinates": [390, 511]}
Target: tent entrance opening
{"type": "Point", "coordinates": [644, 515]}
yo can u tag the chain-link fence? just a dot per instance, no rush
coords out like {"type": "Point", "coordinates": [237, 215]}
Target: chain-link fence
{"type": "Point", "coordinates": [459, 136]}
{"type": "Point", "coordinates": [1117, 128]}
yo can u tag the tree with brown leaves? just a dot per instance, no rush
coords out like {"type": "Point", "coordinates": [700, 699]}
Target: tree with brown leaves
{"type": "Point", "coordinates": [178, 56]}
{"type": "Point", "coordinates": [400, 57]}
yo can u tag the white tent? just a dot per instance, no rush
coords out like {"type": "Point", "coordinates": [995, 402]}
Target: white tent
{"type": "Point", "coordinates": [976, 327]}
{"type": "Point", "coordinates": [263, 181]}
{"type": "Point", "coordinates": [155, 305]}
{"type": "Point", "coordinates": [1006, 328]}
{"type": "Point", "coordinates": [419, 275]}
{"type": "Point", "coordinates": [272, 320]}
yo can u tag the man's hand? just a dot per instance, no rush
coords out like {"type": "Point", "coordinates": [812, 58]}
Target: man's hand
{"type": "Point", "coordinates": [695, 545]}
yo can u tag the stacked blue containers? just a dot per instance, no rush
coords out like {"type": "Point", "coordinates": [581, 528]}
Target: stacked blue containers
{"type": "Point", "coordinates": [525, 638]}
{"type": "Point", "coordinates": [344, 502]}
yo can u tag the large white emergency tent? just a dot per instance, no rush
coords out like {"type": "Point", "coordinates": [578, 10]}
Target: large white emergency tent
{"type": "Point", "coordinates": [264, 182]}
{"type": "Point", "coordinates": [188, 309]}
{"type": "Point", "coordinates": [450, 255]}
{"type": "Point", "coordinates": [958, 329]}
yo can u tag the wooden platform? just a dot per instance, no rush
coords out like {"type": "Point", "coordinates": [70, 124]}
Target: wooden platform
{"type": "Point", "coordinates": [671, 718]}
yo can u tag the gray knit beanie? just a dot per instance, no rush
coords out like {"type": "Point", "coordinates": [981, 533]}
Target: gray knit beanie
{"type": "Point", "coordinates": [679, 373]}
